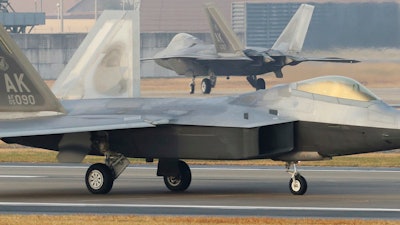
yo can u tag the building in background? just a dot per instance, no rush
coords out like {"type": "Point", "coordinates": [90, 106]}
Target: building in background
{"type": "Point", "coordinates": [335, 25]}
{"type": "Point", "coordinates": [354, 24]}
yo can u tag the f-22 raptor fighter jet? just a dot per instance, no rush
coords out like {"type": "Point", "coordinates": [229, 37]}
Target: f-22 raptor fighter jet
{"type": "Point", "coordinates": [315, 119]}
{"type": "Point", "coordinates": [189, 56]}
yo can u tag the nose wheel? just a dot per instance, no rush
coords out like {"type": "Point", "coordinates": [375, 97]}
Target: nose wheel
{"type": "Point", "coordinates": [297, 183]}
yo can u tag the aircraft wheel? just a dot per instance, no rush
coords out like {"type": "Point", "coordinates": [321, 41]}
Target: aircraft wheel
{"type": "Point", "coordinates": [260, 84]}
{"type": "Point", "coordinates": [206, 86]}
{"type": "Point", "coordinates": [180, 182]}
{"type": "Point", "coordinates": [99, 179]}
{"type": "Point", "coordinates": [298, 185]}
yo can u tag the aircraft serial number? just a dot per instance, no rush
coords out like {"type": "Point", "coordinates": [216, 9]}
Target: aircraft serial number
{"type": "Point", "coordinates": [21, 100]}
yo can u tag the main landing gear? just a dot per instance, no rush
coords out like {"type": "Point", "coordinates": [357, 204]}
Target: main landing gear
{"type": "Point", "coordinates": [258, 84]}
{"type": "Point", "coordinates": [176, 173]}
{"type": "Point", "coordinates": [297, 183]}
{"type": "Point", "coordinates": [206, 84]}
{"type": "Point", "coordinates": [100, 177]}
{"type": "Point", "coordinates": [180, 181]}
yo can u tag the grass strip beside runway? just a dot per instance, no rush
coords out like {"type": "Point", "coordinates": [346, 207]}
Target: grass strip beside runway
{"type": "Point", "coordinates": [149, 220]}
{"type": "Point", "coordinates": [33, 155]}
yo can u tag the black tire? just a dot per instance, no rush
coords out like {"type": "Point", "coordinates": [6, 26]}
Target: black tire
{"type": "Point", "coordinates": [260, 84]}
{"type": "Point", "coordinates": [298, 185]}
{"type": "Point", "coordinates": [182, 181]}
{"type": "Point", "coordinates": [99, 179]}
{"type": "Point", "coordinates": [206, 86]}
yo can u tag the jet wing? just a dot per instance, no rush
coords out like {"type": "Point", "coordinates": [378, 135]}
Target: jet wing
{"type": "Point", "coordinates": [70, 124]}
{"type": "Point", "coordinates": [86, 123]}
{"type": "Point", "coordinates": [237, 58]}
{"type": "Point", "coordinates": [238, 118]}
{"type": "Point", "coordinates": [201, 57]}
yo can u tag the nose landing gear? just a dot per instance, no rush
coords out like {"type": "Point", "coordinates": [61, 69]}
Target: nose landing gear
{"type": "Point", "coordinates": [297, 183]}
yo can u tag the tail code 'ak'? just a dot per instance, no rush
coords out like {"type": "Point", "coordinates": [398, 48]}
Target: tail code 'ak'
{"type": "Point", "coordinates": [23, 93]}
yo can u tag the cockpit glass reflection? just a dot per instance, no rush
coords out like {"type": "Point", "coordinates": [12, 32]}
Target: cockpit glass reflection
{"type": "Point", "coordinates": [336, 86]}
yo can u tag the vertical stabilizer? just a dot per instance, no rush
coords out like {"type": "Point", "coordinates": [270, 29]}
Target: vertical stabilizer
{"type": "Point", "coordinates": [225, 40]}
{"type": "Point", "coordinates": [23, 93]}
{"type": "Point", "coordinates": [107, 63]}
{"type": "Point", "coordinates": [292, 37]}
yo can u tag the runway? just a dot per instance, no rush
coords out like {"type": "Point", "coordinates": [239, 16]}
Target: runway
{"type": "Point", "coordinates": [215, 191]}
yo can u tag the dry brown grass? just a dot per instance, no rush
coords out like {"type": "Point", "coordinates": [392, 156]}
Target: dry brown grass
{"type": "Point", "coordinates": [17, 154]}
{"type": "Point", "coordinates": [150, 220]}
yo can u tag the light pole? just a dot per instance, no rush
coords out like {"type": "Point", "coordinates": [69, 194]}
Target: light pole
{"type": "Point", "coordinates": [58, 10]}
{"type": "Point", "coordinates": [95, 9]}
{"type": "Point", "coordinates": [62, 15]}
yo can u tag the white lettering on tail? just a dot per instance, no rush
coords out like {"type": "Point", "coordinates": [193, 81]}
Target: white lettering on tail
{"type": "Point", "coordinates": [17, 84]}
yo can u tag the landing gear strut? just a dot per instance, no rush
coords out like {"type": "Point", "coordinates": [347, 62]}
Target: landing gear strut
{"type": "Point", "coordinates": [206, 84]}
{"type": "Point", "coordinates": [192, 85]}
{"type": "Point", "coordinates": [297, 183]}
{"type": "Point", "coordinates": [258, 84]}
{"type": "Point", "coordinates": [100, 177]}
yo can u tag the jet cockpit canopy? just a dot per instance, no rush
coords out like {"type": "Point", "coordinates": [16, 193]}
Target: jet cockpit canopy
{"type": "Point", "coordinates": [337, 87]}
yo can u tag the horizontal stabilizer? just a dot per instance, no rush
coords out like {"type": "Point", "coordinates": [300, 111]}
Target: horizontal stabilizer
{"type": "Point", "coordinates": [332, 59]}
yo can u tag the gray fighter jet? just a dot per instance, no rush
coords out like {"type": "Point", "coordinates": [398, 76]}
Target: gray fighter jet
{"type": "Point", "coordinates": [189, 56]}
{"type": "Point", "coordinates": [315, 119]}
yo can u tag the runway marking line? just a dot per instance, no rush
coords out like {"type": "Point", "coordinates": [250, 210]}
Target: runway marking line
{"type": "Point", "coordinates": [20, 176]}
{"type": "Point", "coordinates": [222, 207]}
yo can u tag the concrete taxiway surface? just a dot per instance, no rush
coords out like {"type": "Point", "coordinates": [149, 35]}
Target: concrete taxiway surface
{"type": "Point", "coordinates": [216, 190]}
